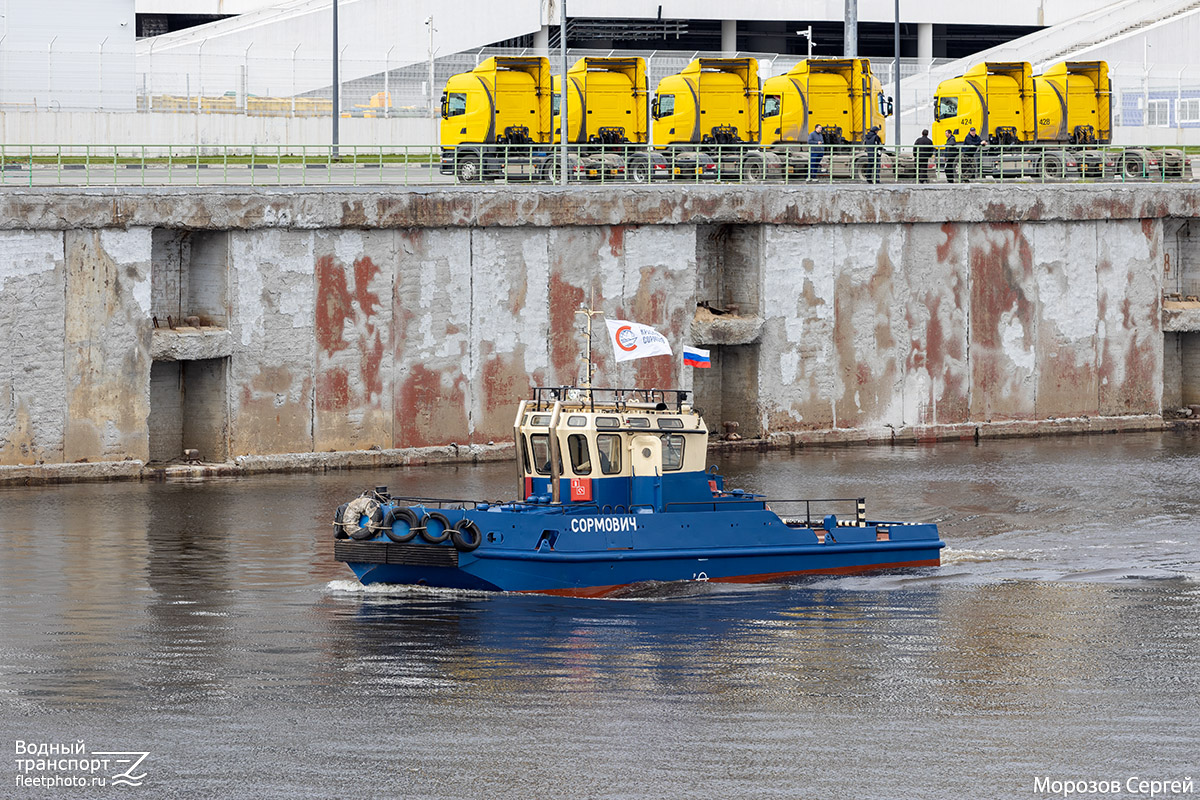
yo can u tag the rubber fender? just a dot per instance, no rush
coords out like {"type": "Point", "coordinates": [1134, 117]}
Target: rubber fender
{"type": "Point", "coordinates": [355, 510]}
{"type": "Point", "coordinates": [401, 514]}
{"type": "Point", "coordinates": [435, 538]}
{"type": "Point", "coordinates": [466, 535]}
{"type": "Point", "coordinates": [338, 533]}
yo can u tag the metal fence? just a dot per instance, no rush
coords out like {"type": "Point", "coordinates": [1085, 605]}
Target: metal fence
{"type": "Point", "coordinates": [251, 165]}
{"type": "Point", "coordinates": [291, 80]}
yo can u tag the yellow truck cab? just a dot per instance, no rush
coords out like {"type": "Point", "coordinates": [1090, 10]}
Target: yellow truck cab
{"type": "Point", "coordinates": [839, 94]}
{"type": "Point", "coordinates": [712, 101]}
{"type": "Point", "coordinates": [1049, 125]}
{"type": "Point", "coordinates": [503, 101]}
{"type": "Point", "coordinates": [606, 101]}
{"type": "Point", "coordinates": [995, 98]}
{"type": "Point", "coordinates": [1074, 103]}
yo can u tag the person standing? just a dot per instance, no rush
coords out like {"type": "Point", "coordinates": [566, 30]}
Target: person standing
{"type": "Point", "coordinates": [923, 151]}
{"type": "Point", "coordinates": [816, 149]}
{"type": "Point", "coordinates": [971, 144]}
{"type": "Point", "coordinates": [950, 156]}
{"type": "Point", "coordinates": [874, 146]}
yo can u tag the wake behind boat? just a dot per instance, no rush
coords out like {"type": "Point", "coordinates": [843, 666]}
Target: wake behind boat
{"type": "Point", "coordinates": [615, 490]}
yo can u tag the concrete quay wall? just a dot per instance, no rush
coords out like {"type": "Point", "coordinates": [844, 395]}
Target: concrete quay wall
{"type": "Point", "coordinates": [329, 321]}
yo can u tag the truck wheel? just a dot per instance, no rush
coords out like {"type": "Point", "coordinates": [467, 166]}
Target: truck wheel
{"type": "Point", "coordinates": [754, 171]}
{"type": "Point", "coordinates": [639, 171]}
{"type": "Point", "coordinates": [468, 169]}
{"type": "Point", "coordinates": [1053, 166]}
{"type": "Point", "coordinates": [1133, 166]}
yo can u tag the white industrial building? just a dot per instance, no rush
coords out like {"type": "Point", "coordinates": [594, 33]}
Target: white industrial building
{"type": "Point", "coordinates": [260, 72]}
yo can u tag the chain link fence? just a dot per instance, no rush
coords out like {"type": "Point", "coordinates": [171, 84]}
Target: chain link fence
{"type": "Point", "coordinates": [295, 81]}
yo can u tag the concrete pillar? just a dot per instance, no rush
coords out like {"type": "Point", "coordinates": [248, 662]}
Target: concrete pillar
{"type": "Point", "coordinates": [541, 40]}
{"type": "Point", "coordinates": [850, 46]}
{"type": "Point", "coordinates": [925, 42]}
{"type": "Point", "coordinates": [729, 37]}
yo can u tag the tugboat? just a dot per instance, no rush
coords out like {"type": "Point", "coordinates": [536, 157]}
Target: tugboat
{"type": "Point", "coordinates": [615, 490]}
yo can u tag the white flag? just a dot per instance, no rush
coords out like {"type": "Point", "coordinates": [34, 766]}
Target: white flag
{"type": "Point", "coordinates": [632, 340]}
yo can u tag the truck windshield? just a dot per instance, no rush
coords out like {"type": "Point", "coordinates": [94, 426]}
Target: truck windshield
{"type": "Point", "coordinates": [554, 104]}
{"type": "Point", "coordinates": [456, 103]}
{"type": "Point", "coordinates": [771, 105]}
{"type": "Point", "coordinates": [947, 107]}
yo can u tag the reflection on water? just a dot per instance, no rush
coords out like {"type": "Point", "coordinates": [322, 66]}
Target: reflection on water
{"type": "Point", "coordinates": [208, 624]}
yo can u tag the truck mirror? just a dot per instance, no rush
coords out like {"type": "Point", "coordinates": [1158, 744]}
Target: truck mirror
{"type": "Point", "coordinates": [890, 108]}
{"type": "Point", "coordinates": [654, 108]}
{"type": "Point", "coordinates": [445, 106]}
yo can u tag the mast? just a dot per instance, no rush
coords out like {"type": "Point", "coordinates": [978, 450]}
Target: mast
{"type": "Point", "coordinates": [588, 312]}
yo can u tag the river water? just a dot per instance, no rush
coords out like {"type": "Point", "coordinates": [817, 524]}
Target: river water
{"type": "Point", "coordinates": [207, 625]}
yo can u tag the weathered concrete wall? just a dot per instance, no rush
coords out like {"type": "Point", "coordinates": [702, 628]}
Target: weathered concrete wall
{"type": "Point", "coordinates": [360, 320]}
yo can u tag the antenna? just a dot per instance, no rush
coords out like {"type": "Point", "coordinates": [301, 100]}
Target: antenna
{"type": "Point", "coordinates": [589, 312]}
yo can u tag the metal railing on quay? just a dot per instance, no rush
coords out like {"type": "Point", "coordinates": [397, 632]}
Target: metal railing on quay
{"type": "Point", "coordinates": [473, 165]}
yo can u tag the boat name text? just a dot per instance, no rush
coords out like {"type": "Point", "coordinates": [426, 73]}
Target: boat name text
{"type": "Point", "coordinates": [608, 524]}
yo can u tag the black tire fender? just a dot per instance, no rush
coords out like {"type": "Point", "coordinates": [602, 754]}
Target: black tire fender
{"type": "Point", "coordinates": [439, 517]}
{"type": "Point", "coordinates": [397, 514]}
{"type": "Point", "coordinates": [338, 533]}
{"type": "Point", "coordinates": [466, 535]}
{"type": "Point", "coordinates": [354, 511]}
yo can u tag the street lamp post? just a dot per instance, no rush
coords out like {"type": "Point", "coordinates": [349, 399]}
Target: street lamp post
{"type": "Point", "coordinates": [807, 34]}
{"type": "Point", "coordinates": [896, 80]}
{"type": "Point", "coordinates": [562, 84]}
{"type": "Point", "coordinates": [336, 99]}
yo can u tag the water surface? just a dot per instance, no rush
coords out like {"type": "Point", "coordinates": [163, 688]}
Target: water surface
{"type": "Point", "coordinates": [207, 624]}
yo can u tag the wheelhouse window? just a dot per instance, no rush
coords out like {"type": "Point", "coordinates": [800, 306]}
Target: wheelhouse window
{"type": "Point", "coordinates": [540, 420]}
{"type": "Point", "coordinates": [581, 460]}
{"type": "Point", "coordinates": [609, 447]}
{"type": "Point", "coordinates": [577, 421]}
{"type": "Point", "coordinates": [638, 422]}
{"type": "Point", "coordinates": [539, 443]}
{"type": "Point", "coordinates": [771, 105]}
{"type": "Point", "coordinates": [456, 104]}
{"type": "Point", "coordinates": [608, 422]}
{"type": "Point", "coordinates": [672, 451]}
{"type": "Point", "coordinates": [947, 108]}
{"type": "Point", "coordinates": [670, 422]}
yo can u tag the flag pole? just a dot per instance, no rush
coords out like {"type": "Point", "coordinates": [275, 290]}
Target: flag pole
{"type": "Point", "coordinates": [589, 312]}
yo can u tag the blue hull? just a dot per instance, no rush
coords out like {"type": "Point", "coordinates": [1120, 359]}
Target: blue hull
{"type": "Point", "coordinates": [573, 554]}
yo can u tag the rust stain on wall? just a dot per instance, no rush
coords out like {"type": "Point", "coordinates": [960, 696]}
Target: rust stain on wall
{"type": "Point", "coordinates": [333, 390]}
{"type": "Point", "coordinates": [274, 415]}
{"type": "Point", "coordinates": [564, 302]}
{"type": "Point", "coordinates": [431, 409]}
{"type": "Point", "coordinates": [506, 382]}
{"type": "Point", "coordinates": [616, 240]}
{"type": "Point", "coordinates": [1002, 323]}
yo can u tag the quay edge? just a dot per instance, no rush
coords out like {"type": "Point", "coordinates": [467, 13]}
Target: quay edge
{"type": "Point", "coordinates": [334, 320]}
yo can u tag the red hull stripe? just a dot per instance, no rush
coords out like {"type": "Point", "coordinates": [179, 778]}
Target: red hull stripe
{"type": "Point", "coordinates": [601, 591]}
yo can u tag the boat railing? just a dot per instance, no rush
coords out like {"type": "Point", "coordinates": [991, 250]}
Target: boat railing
{"type": "Point", "coordinates": [821, 506]}
{"type": "Point", "coordinates": [460, 503]}
{"type": "Point", "coordinates": [716, 504]}
{"type": "Point", "coordinates": [824, 506]}
{"type": "Point", "coordinates": [544, 397]}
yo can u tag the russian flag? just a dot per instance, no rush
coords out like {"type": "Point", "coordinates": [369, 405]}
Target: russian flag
{"type": "Point", "coordinates": [696, 357]}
